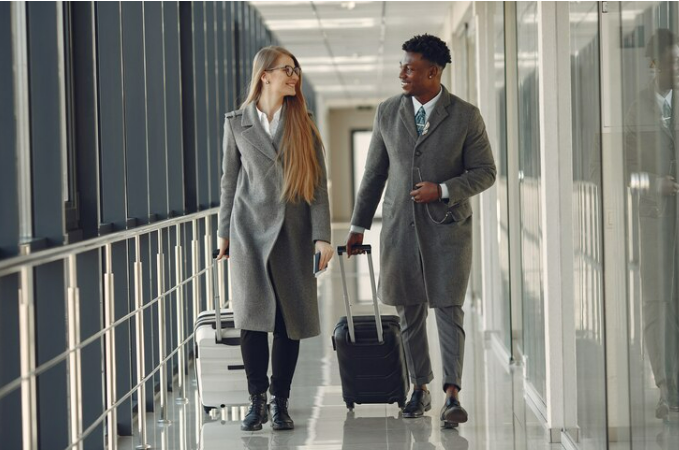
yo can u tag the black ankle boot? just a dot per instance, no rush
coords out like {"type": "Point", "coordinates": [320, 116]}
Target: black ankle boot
{"type": "Point", "coordinates": [258, 413]}
{"type": "Point", "coordinates": [280, 419]}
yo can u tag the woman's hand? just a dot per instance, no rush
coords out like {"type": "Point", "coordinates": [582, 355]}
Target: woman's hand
{"type": "Point", "coordinates": [326, 251]}
{"type": "Point", "coordinates": [223, 248]}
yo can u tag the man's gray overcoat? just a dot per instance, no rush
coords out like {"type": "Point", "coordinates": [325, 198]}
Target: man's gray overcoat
{"type": "Point", "coordinates": [421, 260]}
{"type": "Point", "coordinates": [271, 241]}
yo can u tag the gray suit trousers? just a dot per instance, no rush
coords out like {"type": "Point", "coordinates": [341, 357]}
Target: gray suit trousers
{"type": "Point", "coordinates": [449, 321]}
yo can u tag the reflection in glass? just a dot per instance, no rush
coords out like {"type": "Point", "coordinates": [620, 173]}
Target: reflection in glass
{"type": "Point", "coordinates": [649, 57]}
{"type": "Point", "coordinates": [530, 196]}
{"type": "Point", "coordinates": [587, 230]}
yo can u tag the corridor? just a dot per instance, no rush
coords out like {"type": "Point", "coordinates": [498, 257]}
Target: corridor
{"type": "Point", "coordinates": [500, 418]}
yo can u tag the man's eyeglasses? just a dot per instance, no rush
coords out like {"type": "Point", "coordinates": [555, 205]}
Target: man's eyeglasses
{"type": "Point", "coordinates": [288, 70]}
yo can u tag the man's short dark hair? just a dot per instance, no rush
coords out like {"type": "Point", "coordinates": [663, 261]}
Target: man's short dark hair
{"type": "Point", "coordinates": [431, 47]}
{"type": "Point", "coordinates": [661, 41]}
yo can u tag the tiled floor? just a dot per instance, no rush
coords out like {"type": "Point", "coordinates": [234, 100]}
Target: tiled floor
{"type": "Point", "coordinates": [492, 394]}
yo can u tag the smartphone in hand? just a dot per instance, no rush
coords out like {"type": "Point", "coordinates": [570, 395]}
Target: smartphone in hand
{"type": "Point", "coordinates": [317, 263]}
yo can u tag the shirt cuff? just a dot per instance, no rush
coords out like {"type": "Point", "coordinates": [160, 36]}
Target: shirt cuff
{"type": "Point", "coordinates": [357, 229]}
{"type": "Point", "coordinates": [444, 191]}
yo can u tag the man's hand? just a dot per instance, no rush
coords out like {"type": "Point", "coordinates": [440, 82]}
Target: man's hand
{"type": "Point", "coordinates": [223, 248]}
{"type": "Point", "coordinates": [326, 252]}
{"type": "Point", "coordinates": [668, 186]}
{"type": "Point", "coordinates": [354, 239]}
{"type": "Point", "coordinates": [425, 192]}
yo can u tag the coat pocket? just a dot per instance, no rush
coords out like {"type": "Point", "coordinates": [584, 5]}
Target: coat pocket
{"type": "Point", "coordinates": [442, 214]}
{"type": "Point", "coordinates": [461, 211]}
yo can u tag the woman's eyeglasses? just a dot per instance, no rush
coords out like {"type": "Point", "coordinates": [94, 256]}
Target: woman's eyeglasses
{"type": "Point", "coordinates": [289, 70]}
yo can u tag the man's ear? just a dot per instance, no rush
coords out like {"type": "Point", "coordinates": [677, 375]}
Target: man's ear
{"type": "Point", "coordinates": [434, 71]}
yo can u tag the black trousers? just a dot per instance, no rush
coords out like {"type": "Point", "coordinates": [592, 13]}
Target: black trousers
{"type": "Point", "coordinates": [284, 353]}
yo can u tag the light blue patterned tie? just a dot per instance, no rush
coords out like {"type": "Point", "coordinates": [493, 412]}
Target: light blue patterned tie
{"type": "Point", "coordinates": [667, 113]}
{"type": "Point", "coordinates": [420, 119]}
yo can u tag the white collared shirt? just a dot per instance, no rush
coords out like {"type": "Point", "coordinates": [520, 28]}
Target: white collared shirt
{"type": "Point", "coordinates": [270, 128]}
{"type": "Point", "coordinates": [661, 99]}
{"type": "Point", "coordinates": [428, 107]}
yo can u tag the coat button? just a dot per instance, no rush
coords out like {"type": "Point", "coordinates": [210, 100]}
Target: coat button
{"type": "Point", "coordinates": [418, 153]}
{"type": "Point", "coordinates": [412, 224]}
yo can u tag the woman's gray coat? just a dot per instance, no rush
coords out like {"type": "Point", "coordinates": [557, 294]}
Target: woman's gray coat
{"type": "Point", "coordinates": [423, 261]}
{"type": "Point", "coordinates": [266, 233]}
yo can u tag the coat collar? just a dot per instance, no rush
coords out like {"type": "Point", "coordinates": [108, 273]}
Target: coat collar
{"type": "Point", "coordinates": [255, 134]}
{"type": "Point", "coordinates": [440, 112]}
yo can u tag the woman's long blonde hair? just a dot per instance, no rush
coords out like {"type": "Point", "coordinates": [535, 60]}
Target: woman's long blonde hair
{"type": "Point", "coordinates": [301, 168]}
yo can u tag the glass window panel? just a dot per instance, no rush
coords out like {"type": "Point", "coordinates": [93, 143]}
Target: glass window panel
{"type": "Point", "coordinates": [587, 233]}
{"type": "Point", "coordinates": [501, 321]}
{"type": "Point", "coordinates": [530, 196]}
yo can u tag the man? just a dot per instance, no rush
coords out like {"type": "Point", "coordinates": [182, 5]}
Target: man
{"type": "Point", "coordinates": [651, 156]}
{"type": "Point", "coordinates": [433, 149]}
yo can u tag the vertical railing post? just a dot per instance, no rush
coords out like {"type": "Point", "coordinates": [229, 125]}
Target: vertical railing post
{"type": "Point", "coordinates": [195, 268]}
{"type": "Point", "coordinates": [27, 343]}
{"type": "Point", "coordinates": [181, 354]}
{"type": "Point", "coordinates": [74, 362]}
{"type": "Point", "coordinates": [162, 338]}
{"type": "Point", "coordinates": [140, 343]}
{"type": "Point", "coordinates": [110, 351]}
{"type": "Point", "coordinates": [209, 295]}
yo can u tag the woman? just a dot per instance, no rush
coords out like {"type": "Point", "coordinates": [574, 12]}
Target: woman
{"type": "Point", "coordinates": [273, 216]}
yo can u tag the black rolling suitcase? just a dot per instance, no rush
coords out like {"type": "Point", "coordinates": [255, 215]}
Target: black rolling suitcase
{"type": "Point", "coordinates": [371, 359]}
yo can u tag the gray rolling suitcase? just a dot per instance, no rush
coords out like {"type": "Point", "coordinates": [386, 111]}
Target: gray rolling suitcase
{"type": "Point", "coordinates": [219, 364]}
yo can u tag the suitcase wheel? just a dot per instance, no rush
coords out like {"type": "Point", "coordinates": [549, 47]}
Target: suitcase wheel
{"type": "Point", "coordinates": [402, 404]}
{"type": "Point", "coordinates": [350, 406]}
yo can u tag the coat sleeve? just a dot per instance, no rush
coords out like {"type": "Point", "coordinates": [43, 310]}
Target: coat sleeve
{"type": "Point", "coordinates": [478, 162]}
{"type": "Point", "coordinates": [374, 178]}
{"type": "Point", "coordinates": [320, 206]}
{"type": "Point", "coordinates": [231, 168]}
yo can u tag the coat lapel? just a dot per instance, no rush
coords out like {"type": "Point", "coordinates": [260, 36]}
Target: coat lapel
{"type": "Point", "coordinates": [438, 115]}
{"type": "Point", "coordinates": [254, 132]}
{"type": "Point", "coordinates": [405, 112]}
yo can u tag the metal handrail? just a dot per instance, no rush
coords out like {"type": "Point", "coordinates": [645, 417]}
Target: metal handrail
{"type": "Point", "coordinates": [16, 263]}
{"type": "Point", "coordinates": [24, 266]}
{"type": "Point", "coordinates": [16, 383]}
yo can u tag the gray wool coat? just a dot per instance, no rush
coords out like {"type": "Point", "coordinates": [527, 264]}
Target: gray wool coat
{"type": "Point", "coordinates": [423, 261]}
{"type": "Point", "coordinates": [271, 244]}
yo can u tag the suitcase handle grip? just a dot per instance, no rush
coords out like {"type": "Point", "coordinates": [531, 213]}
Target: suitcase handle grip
{"type": "Point", "coordinates": [347, 304]}
{"type": "Point", "coordinates": [341, 249]}
{"type": "Point", "coordinates": [215, 253]}
{"type": "Point", "coordinates": [368, 343]}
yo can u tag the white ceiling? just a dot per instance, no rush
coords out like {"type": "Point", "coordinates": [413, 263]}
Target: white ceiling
{"type": "Point", "coordinates": [350, 51]}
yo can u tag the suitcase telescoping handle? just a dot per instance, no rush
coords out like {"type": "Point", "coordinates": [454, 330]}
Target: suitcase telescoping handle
{"type": "Point", "coordinates": [367, 249]}
{"type": "Point", "coordinates": [215, 291]}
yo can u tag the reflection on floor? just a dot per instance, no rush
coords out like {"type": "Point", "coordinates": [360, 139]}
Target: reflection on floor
{"type": "Point", "coordinates": [492, 394]}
